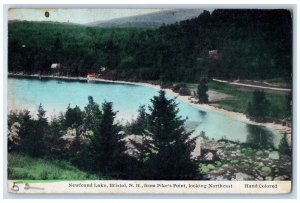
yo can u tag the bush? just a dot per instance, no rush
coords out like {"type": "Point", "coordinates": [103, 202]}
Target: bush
{"type": "Point", "coordinates": [259, 107]}
{"type": "Point", "coordinates": [284, 148]}
{"type": "Point", "coordinates": [177, 87]}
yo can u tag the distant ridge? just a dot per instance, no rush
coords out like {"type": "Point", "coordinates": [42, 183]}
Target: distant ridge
{"type": "Point", "coordinates": [152, 19]}
{"type": "Point", "coordinates": [49, 22]}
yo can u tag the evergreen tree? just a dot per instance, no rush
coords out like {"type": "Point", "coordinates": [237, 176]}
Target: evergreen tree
{"type": "Point", "coordinates": [107, 146]}
{"type": "Point", "coordinates": [289, 106]}
{"type": "Point", "coordinates": [259, 107]}
{"type": "Point", "coordinates": [140, 124]}
{"type": "Point", "coordinates": [284, 146]}
{"type": "Point", "coordinates": [40, 133]}
{"type": "Point", "coordinates": [34, 132]}
{"type": "Point", "coordinates": [26, 132]}
{"type": "Point", "coordinates": [92, 115]}
{"type": "Point", "coordinates": [170, 145]}
{"type": "Point", "coordinates": [202, 91]}
{"type": "Point", "coordinates": [73, 117]}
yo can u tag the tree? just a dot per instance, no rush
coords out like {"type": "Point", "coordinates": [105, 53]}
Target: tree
{"type": "Point", "coordinates": [258, 137]}
{"type": "Point", "coordinates": [171, 146]}
{"type": "Point", "coordinates": [92, 115]}
{"type": "Point", "coordinates": [40, 133]}
{"type": "Point", "coordinates": [73, 117]}
{"type": "Point", "coordinates": [107, 147]}
{"type": "Point", "coordinates": [140, 124]}
{"type": "Point", "coordinates": [258, 109]}
{"type": "Point", "coordinates": [284, 146]}
{"type": "Point", "coordinates": [57, 44]}
{"type": "Point", "coordinates": [202, 91]}
{"type": "Point", "coordinates": [33, 133]}
{"type": "Point", "coordinates": [143, 145]}
{"type": "Point", "coordinates": [26, 132]}
{"type": "Point", "coordinates": [289, 104]}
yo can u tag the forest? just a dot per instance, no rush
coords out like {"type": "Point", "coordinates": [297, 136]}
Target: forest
{"type": "Point", "coordinates": [228, 44]}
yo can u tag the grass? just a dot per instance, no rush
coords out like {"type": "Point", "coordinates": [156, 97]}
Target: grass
{"type": "Point", "coordinates": [24, 167]}
{"type": "Point", "coordinates": [278, 102]}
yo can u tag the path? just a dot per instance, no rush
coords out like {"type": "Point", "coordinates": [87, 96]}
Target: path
{"type": "Point", "coordinates": [254, 86]}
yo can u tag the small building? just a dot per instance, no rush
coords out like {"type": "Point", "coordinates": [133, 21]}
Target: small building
{"type": "Point", "coordinates": [55, 66]}
{"type": "Point", "coordinates": [214, 54]}
{"type": "Point", "coordinates": [91, 76]}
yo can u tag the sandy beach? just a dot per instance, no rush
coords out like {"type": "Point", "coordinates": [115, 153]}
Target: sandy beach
{"type": "Point", "coordinates": [235, 115]}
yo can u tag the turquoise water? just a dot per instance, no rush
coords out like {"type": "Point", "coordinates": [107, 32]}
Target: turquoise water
{"type": "Point", "coordinates": [56, 95]}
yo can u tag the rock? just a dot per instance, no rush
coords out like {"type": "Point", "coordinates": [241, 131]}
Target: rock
{"type": "Point", "coordinates": [13, 135]}
{"type": "Point", "coordinates": [259, 178]}
{"type": "Point", "coordinates": [269, 178]}
{"type": "Point", "coordinates": [121, 133]}
{"type": "Point", "coordinates": [285, 177]}
{"type": "Point", "coordinates": [245, 164]}
{"type": "Point", "coordinates": [220, 178]}
{"type": "Point", "coordinates": [265, 170]}
{"type": "Point", "coordinates": [258, 153]}
{"type": "Point", "coordinates": [274, 155]}
{"type": "Point", "coordinates": [261, 164]}
{"type": "Point", "coordinates": [218, 163]}
{"type": "Point", "coordinates": [278, 178]}
{"type": "Point", "coordinates": [234, 161]}
{"type": "Point", "coordinates": [71, 142]}
{"type": "Point", "coordinates": [209, 156]}
{"type": "Point", "coordinates": [243, 176]}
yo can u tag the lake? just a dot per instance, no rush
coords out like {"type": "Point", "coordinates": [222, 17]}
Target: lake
{"type": "Point", "coordinates": [56, 95]}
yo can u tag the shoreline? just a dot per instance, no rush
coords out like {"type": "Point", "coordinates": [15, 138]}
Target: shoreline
{"type": "Point", "coordinates": [187, 99]}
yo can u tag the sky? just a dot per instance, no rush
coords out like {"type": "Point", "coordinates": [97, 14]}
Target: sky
{"type": "Point", "coordinates": [80, 16]}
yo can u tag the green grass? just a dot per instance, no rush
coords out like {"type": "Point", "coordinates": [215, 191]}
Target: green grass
{"type": "Point", "coordinates": [278, 102]}
{"type": "Point", "coordinates": [24, 167]}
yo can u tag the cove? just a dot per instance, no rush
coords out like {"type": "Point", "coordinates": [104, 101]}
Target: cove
{"type": "Point", "coordinates": [56, 95]}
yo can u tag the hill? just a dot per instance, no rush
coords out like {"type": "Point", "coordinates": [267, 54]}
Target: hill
{"type": "Point", "coordinates": [226, 44]}
{"type": "Point", "coordinates": [153, 19]}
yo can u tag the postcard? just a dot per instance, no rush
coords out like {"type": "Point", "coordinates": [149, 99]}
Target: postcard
{"type": "Point", "coordinates": [149, 100]}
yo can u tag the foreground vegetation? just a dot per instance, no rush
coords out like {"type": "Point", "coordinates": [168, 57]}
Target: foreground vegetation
{"type": "Point", "coordinates": [25, 167]}
{"type": "Point", "coordinates": [91, 140]}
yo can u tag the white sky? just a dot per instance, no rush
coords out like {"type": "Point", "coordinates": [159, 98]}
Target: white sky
{"type": "Point", "coordinates": [81, 16]}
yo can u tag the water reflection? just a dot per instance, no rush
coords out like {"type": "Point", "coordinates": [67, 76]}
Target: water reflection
{"type": "Point", "coordinates": [202, 113]}
{"type": "Point", "coordinates": [259, 136]}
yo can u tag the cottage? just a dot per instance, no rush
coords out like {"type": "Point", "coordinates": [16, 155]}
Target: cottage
{"type": "Point", "coordinates": [55, 66]}
{"type": "Point", "coordinates": [213, 54]}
